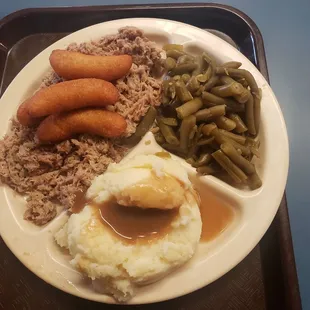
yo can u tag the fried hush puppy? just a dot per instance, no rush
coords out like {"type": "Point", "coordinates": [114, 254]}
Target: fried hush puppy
{"type": "Point", "coordinates": [59, 127]}
{"type": "Point", "coordinates": [70, 95]}
{"type": "Point", "coordinates": [24, 117]}
{"type": "Point", "coordinates": [74, 65]}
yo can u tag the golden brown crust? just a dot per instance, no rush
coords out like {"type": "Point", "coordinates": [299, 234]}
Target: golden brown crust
{"type": "Point", "coordinates": [63, 126]}
{"type": "Point", "coordinates": [71, 95]}
{"type": "Point", "coordinates": [24, 117]}
{"type": "Point", "coordinates": [74, 65]}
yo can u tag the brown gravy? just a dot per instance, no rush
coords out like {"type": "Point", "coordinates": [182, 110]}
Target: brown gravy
{"type": "Point", "coordinates": [132, 223]}
{"type": "Point", "coordinates": [216, 215]}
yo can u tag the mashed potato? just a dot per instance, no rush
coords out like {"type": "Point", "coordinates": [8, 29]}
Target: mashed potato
{"type": "Point", "coordinates": [116, 266]}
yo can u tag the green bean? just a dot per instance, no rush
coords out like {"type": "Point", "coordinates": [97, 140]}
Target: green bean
{"type": "Point", "coordinates": [243, 82]}
{"type": "Point", "coordinates": [240, 126]}
{"type": "Point", "coordinates": [232, 64]}
{"type": "Point", "coordinates": [254, 181]}
{"type": "Point", "coordinates": [183, 68]}
{"type": "Point", "coordinates": [194, 146]}
{"type": "Point", "coordinates": [257, 110]}
{"type": "Point", "coordinates": [225, 123]}
{"type": "Point", "coordinates": [210, 113]}
{"type": "Point", "coordinates": [207, 129]}
{"type": "Point", "coordinates": [182, 92]}
{"type": "Point", "coordinates": [174, 54]}
{"type": "Point", "coordinates": [211, 83]}
{"type": "Point", "coordinates": [200, 65]}
{"type": "Point", "coordinates": [233, 106]}
{"type": "Point", "coordinates": [177, 78]}
{"type": "Point", "coordinates": [146, 122]}
{"type": "Point", "coordinates": [192, 133]}
{"type": "Point", "coordinates": [243, 97]}
{"type": "Point", "coordinates": [189, 108]}
{"type": "Point", "coordinates": [185, 77]}
{"type": "Point", "coordinates": [177, 47]}
{"type": "Point", "coordinates": [170, 121]}
{"type": "Point", "coordinates": [168, 133]}
{"type": "Point", "coordinates": [185, 59]}
{"type": "Point", "coordinates": [220, 139]}
{"type": "Point", "coordinates": [235, 172]}
{"type": "Point", "coordinates": [198, 93]}
{"type": "Point", "coordinates": [237, 159]}
{"type": "Point", "coordinates": [205, 141]}
{"type": "Point", "coordinates": [166, 85]}
{"type": "Point", "coordinates": [203, 160]}
{"type": "Point", "coordinates": [205, 76]}
{"type": "Point", "coordinates": [238, 138]}
{"type": "Point", "coordinates": [227, 90]}
{"type": "Point", "coordinates": [240, 73]}
{"type": "Point", "coordinates": [207, 170]}
{"type": "Point", "coordinates": [170, 63]}
{"type": "Point", "coordinates": [210, 60]}
{"type": "Point", "coordinates": [193, 84]}
{"type": "Point", "coordinates": [210, 98]}
{"type": "Point", "coordinates": [187, 125]}
{"type": "Point", "coordinates": [249, 116]}
{"type": "Point", "coordinates": [227, 79]}
{"type": "Point", "coordinates": [174, 149]}
{"type": "Point", "coordinates": [159, 138]}
{"type": "Point", "coordinates": [165, 100]}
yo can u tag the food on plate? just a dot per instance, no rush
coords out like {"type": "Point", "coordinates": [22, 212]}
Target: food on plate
{"type": "Point", "coordinates": [50, 175]}
{"type": "Point", "coordinates": [75, 65]}
{"type": "Point", "coordinates": [24, 117]}
{"type": "Point", "coordinates": [71, 95]}
{"type": "Point", "coordinates": [123, 236]}
{"type": "Point", "coordinates": [59, 127]}
{"type": "Point", "coordinates": [211, 116]}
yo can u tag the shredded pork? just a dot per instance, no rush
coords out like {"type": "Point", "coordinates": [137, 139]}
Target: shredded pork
{"type": "Point", "coordinates": [51, 175]}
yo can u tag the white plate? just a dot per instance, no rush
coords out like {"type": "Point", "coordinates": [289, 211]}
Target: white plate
{"type": "Point", "coordinates": [34, 246]}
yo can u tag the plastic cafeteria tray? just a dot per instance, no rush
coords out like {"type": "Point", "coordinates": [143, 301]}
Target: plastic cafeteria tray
{"type": "Point", "coordinates": [265, 279]}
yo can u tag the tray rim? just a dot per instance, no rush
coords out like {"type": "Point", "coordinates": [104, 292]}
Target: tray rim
{"type": "Point", "coordinates": [282, 216]}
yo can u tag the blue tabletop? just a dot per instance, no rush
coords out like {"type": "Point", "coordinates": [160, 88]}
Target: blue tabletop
{"type": "Point", "coordinates": [285, 27]}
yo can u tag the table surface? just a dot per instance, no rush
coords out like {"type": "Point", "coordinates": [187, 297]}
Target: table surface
{"type": "Point", "coordinates": [284, 27]}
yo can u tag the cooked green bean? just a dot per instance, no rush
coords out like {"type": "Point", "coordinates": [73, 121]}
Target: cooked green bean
{"type": "Point", "coordinates": [186, 127]}
{"type": "Point", "coordinates": [182, 92]}
{"type": "Point", "coordinates": [204, 77]}
{"type": "Point", "coordinates": [185, 59]}
{"type": "Point", "coordinates": [257, 109]}
{"type": "Point", "coordinates": [233, 106]}
{"type": "Point", "coordinates": [240, 126]}
{"type": "Point", "coordinates": [237, 159]}
{"type": "Point", "coordinates": [176, 149]}
{"type": "Point", "coordinates": [243, 97]}
{"type": "Point", "coordinates": [183, 68]}
{"type": "Point", "coordinates": [146, 122]}
{"type": "Point", "coordinates": [159, 138]}
{"type": "Point", "coordinates": [207, 170]}
{"type": "Point", "coordinates": [193, 84]}
{"type": "Point", "coordinates": [214, 100]}
{"type": "Point", "coordinates": [192, 133]}
{"type": "Point", "coordinates": [235, 172]}
{"type": "Point", "coordinates": [243, 82]}
{"type": "Point", "coordinates": [232, 64]}
{"type": "Point", "coordinates": [174, 54]}
{"type": "Point", "coordinates": [198, 93]}
{"type": "Point", "coordinates": [185, 77]}
{"type": "Point", "coordinates": [168, 133]}
{"type": "Point", "coordinates": [227, 79]}
{"type": "Point", "coordinates": [193, 149]}
{"type": "Point", "coordinates": [177, 47]}
{"type": "Point", "coordinates": [225, 123]}
{"type": "Point", "coordinates": [207, 129]}
{"type": "Point", "coordinates": [203, 160]}
{"type": "Point", "coordinates": [176, 78]}
{"type": "Point", "coordinates": [205, 141]}
{"type": "Point", "coordinates": [189, 108]}
{"type": "Point", "coordinates": [220, 139]}
{"type": "Point", "coordinates": [239, 73]}
{"type": "Point", "coordinates": [254, 181]}
{"type": "Point", "coordinates": [249, 116]}
{"type": "Point", "coordinates": [227, 90]}
{"type": "Point", "coordinates": [238, 138]}
{"type": "Point", "coordinates": [211, 83]}
{"type": "Point", "coordinates": [210, 113]}
{"type": "Point", "coordinates": [170, 121]}
{"type": "Point", "coordinates": [200, 65]}
{"type": "Point", "coordinates": [170, 63]}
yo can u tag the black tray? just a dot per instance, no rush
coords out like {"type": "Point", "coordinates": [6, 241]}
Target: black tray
{"type": "Point", "coordinates": [265, 279]}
